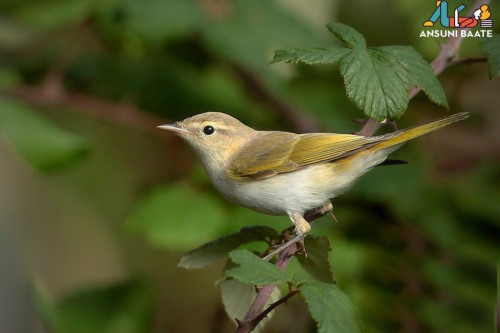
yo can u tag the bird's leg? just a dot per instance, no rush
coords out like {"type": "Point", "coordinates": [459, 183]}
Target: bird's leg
{"type": "Point", "coordinates": [302, 227]}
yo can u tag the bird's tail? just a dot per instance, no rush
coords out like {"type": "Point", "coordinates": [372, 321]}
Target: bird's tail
{"type": "Point", "coordinates": [402, 136]}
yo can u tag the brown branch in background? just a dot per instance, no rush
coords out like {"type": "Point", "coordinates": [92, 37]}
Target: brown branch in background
{"type": "Point", "coordinates": [52, 94]}
{"type": "Point", "coordinates": [120, 113]}
{"type": "Point", "coordinates": [446, 58]}
{"type": "Point", "coordinates": [256, 88]}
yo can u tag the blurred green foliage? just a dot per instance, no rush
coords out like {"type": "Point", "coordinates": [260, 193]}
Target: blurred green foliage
{"type": "Point", "coordinates": [180, 228]}
{"type": "Point", "coordinates": [211, 252]}
{"type": "Point", "coordinates": [491, 46]}
{"type": "Point", "coordinates": [124, 307]}
{"type": "Point", "coordinates": [93, 195]}
{"type": "Point", "coordinates": [46, 147]}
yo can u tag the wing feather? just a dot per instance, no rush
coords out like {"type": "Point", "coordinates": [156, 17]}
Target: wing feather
{"type": "Point", "coordinates": [274, 153]}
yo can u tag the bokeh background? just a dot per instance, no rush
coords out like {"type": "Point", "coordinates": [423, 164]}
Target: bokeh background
{"type": "Point", "coordinates": [97, 205]}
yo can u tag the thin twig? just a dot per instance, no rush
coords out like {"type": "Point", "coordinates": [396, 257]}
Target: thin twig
{"type": "Point", "coordinates": [273, 306]}
{"type": "Point", "coordinates": [467, 61]}
{"type": "Point", "coordinates": [294, 116]}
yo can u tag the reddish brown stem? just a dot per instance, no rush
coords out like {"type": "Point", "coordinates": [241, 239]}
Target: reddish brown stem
{"type": "Point", "coordinates": [254, 314]}
{"type": "Point", "coordinates": [273, 306]}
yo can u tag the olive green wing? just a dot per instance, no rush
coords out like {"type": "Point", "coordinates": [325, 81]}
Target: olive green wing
{"type": "Point", "coordinates": [280, 152]}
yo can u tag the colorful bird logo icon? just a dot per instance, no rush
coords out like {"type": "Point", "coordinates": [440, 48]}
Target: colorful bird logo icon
{"type": "Point", "coordinates": [482, 13]}
{"type": "Point", "coordinates": [440, 14]}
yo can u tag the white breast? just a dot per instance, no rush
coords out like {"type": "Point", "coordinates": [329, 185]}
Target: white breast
{"type": "Point", "coordinates": [296, 191]}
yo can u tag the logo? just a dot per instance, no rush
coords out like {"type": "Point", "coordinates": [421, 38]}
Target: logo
{"type": "Point", "coordinates": [440, 16]}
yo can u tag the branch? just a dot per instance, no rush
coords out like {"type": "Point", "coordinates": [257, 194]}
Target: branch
{"type": "Point", "coordinates": [294, 116]}
{"type": "Point", "coordinates": [467, 61]}
{"type": "Point", "coordinates": [255, 314]}
{"type": "Point", "coordinates": [50, 94]}
{"type": "Point", "coordinates": [369, 128]}
{"type": "Point", "coordinates": [273, 306]}
{"type": "Point", "coordinates": [443, 60]}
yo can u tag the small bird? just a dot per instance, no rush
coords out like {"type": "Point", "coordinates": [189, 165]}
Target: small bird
{"type": "Point", "coordinates": [282, 173]}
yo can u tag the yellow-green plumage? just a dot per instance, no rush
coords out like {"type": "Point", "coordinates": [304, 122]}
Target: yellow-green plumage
{"type": "Point", "coordinates": [287, 152]}
{"type": "Point", "coordinates": [287, 173]}
{"type": "Point", "coordinates": [274, 153]}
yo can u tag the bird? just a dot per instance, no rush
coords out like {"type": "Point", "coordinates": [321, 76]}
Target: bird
{"type": "Point", "coordinates": [284, 173]}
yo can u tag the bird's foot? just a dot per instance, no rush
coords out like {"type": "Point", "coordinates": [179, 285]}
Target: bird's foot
{"type": "Point", "coordinates": [298, 239]}
{"type": "Point", "coordinates": [302, 228]}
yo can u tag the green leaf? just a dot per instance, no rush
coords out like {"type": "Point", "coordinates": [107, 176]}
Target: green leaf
{"type": "Point", "coordinates": [349, 36]}
{"type": "Point", "coordinates": [237, 298]}
{"type": "Point", "coordinates": [491, 46]}
{"type": "Point", "coordinates": [330, 307]}
{"type": "Point", "coordinates": [42, 144]}
{"type": "Point", "coordinates": [299, 278]}
{"type": "Point", "coordinates": [253, 269]}
{"type": "Point", "coordinates": [377, 79]}
{"type": "Point", "coordinates": [310, 56]}
{"type": "Point", "coordinates": [375, 83]}
{"type": "Point", "coordinates": [121, 308]}
{"type": "Point", "coordinates": [419, 71]}
{"type": "Point", "coordinates": [317, 263]}
{"type": "Point", "coordinates": [177, 216]}
{"type": "Point", "coordinates": [210, 252]}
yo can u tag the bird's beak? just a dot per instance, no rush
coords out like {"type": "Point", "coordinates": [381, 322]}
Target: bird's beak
{"type": "Point", "coordinates": [174, 128]}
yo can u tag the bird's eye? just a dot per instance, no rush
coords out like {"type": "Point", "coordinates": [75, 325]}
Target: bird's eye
{"type": "Point", "coordinates": [208, 130]}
